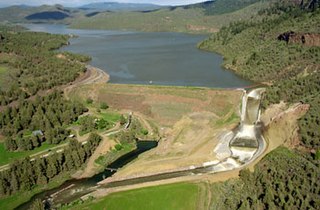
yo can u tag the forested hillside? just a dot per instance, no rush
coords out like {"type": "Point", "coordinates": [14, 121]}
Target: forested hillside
{"type": "Point", "coordinates": [282, 180]}
{"type": "Point", "coordinates": [218, 7]}
{"type": "Point", "coordinates": [34, 111]}
{"type": "Point", "coordinates": [198, 18]}
{"type": "Point", "coordinates": [25, 174]}
{"type": "Point", "coordinates": [33, 64]}
{"type": "Point", "coordinates": [281, 46]}
{"type": "Point", "coordinates": [49, 114]}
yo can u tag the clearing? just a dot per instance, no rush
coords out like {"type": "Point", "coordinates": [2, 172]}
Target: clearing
{"type": "Point", "coordinates": [7, 157]}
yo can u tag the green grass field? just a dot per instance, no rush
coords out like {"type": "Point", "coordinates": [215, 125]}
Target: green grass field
{"type": "Point", "coordinates": [182, 196]}
{"type": "Point", "coordinates": [110, 116]}
{"type": "Point", "coordinates": [7, 156]}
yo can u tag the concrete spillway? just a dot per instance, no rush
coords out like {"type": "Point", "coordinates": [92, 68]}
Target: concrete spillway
{"type": "Point", "coordinates": [241, 146]}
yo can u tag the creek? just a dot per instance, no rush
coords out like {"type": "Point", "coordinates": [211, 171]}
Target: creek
{"type": "Point", "coordinates": [75, 188]}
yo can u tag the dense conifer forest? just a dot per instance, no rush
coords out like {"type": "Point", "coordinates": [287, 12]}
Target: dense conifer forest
{"type": "Point", "coordinates": [48, 115]}
{"type": "Point", "coordinates": [34, 64]}
{"type": "Point", "coordinates": [34, 111]}
{"type": "Point", "coordinates": [26, 174]}
{"type": "Point", "coordinates": [283, 180]}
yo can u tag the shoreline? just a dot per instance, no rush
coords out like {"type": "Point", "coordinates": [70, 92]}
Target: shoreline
{"type": "Point", "coordinates": [90, 76]}
{"type": "Point", "coordinates": [96, 75]}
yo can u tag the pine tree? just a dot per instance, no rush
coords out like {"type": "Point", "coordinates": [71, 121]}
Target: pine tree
{"type": "Point", "coordinates": [37, 205]}
{"type": "Point", "coordinates": [14, 184]}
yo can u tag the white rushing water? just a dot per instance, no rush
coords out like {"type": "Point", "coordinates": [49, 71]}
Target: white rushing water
{"type": "Point", "coordinates": [240, 147]}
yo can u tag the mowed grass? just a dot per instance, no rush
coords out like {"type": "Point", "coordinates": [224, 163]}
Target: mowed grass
{"type": "Point", "coordinates": [7, 156]}
{"type": "Point", "coordinates": [184, 196]}
{"type": "Point", "coordinates": [113, 117]}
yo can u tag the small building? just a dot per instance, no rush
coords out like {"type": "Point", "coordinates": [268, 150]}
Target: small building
{"type": "Point", "coordinates": [37, 133]}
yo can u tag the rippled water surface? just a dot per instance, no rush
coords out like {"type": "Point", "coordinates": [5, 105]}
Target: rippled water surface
{"type": "Point", "coordinates": [144, 58]}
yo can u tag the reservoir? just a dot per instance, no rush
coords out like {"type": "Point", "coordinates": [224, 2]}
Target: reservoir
{"type": "Point", "coordinates": [164, 58]}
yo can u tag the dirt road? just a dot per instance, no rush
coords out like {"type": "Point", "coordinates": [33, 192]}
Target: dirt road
{"type": "Point", "coordinates": [104, 147]}
{"type": "Point", "coordinates": [92, 75]}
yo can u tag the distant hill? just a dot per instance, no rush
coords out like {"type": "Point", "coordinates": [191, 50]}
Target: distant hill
{"type": "Point", "coordinates": [44, 13]}
{"type": "Point", "coordinates": [49, 15]}
{"type": "Point", "coordinates": [115, 6]}
{"type": "Point", "coordinates": [217, 7]}
{"type": "Point", "coordinates": [205, 17]}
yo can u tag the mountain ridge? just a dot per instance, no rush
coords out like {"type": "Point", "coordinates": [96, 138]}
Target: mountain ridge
{"type": "Point", "coordinates": [116, 6]}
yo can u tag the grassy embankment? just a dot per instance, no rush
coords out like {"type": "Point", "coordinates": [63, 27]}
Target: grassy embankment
{"type": "Point", "coordinates": [171, 197]}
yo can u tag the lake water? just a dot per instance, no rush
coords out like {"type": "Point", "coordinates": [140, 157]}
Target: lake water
{"type": "Point", "coordinates": [144, 58]}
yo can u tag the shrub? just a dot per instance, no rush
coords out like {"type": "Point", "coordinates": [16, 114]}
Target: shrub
{"type": "Point", "coordinates": [89, 100]}
{"type": "Point", "coordinates": [118, 147]}
{"type": "Point", "coordinates": [104, 105]}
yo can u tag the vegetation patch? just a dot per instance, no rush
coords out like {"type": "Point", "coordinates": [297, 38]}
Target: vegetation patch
{"type": "Point", "coordinates": [112, 117]}
{"type": "Point", "coordinates": [114, 154]}
{"type": "Point", "coordinates": [100, 121]}
{"type": "Point", "coordinates": [230, 119]}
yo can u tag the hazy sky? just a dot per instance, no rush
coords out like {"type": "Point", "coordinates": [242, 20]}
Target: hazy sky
{"type": "Point", "coordinates": [81, 2]}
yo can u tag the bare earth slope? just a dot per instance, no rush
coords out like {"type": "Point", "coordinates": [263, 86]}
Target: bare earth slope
{"type": "Point", "coordinates": [189, 120]}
